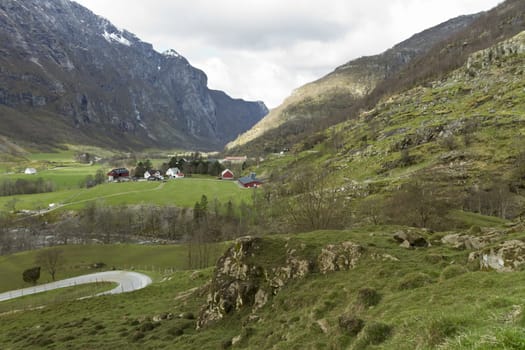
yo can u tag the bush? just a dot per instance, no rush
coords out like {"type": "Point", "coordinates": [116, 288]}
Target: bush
{"type": "Point", "coordinates": [351, 325]}
{"type": "Point", "coordinates": [452, 271]}
{"type": "Point", "coordinates": [374, 334]}
{"type": "Point", "coordinates": [188, 316]}
{"type": "Point", "coordinates": [368, 297]}
{"type": "Point", "coordinates": [175, 331]}
{"type": "Point", "coordinates": [137, 336]}
{"type": "Point", "coordinates": [439, 330]}
{"type": "Point", "coordinates": [147, 326]}
{"type": "Point", "coordinates": [31, 275]}
{"type": "Point", "coordinates": [414, 280]}
{"type": "Point", "coordinates": [475, 230]}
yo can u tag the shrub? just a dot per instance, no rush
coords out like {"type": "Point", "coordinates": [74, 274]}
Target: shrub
{"type": "Point", "coordinates": [475, 230]}
{"type": "Point", "coordinates": [374, 334]}
{"type": "Point", "coordinates": [434, 258]}
{"type": "Point", "coordinates": [175, 331]}
{"type": "Point", "coordinates": [31, 275]}
{"type": "Point", "coordinates": [368, 297]}
{"type": "Point", "coordinates": [351, 325]}
{"type": "Point", "coordinates": [187, 316]}
{"type": "Point", "coordinates": [440, 329]}
{"type": "Point", "coordinates": [452, 271]}
{"type": "Point", "coordinates": [414, 280]}
{"type": "Point", "coordinates": [146, 326]}
{"type": "Point", "coordinates": [137, 336]}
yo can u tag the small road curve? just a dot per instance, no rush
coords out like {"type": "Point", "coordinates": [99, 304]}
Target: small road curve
{"type": "Point", "coordinates": [127, 282]}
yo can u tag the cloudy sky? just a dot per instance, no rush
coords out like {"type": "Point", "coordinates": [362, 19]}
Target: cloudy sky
{"type": "Point", "coordinates": [263, 49]}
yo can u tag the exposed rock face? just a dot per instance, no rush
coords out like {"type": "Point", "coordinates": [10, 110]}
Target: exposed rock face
{"type": "Point", "coordinates": [82, 79]}
{"type": "Point", "coordinates": [509, 256]}
{"type": "Point", "coordinates": [238, 282]}
{"type": "Point", "coordinates": [339, 257]}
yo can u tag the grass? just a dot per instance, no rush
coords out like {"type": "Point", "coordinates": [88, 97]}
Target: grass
{"type": "Point", "coordinates": [181, 193]}
{"type": "Point", "coordinates": [79, 260]}
{"type": "Point", "coordinates": [55, 297]}
{"type": "Point", "coordinates": [438, 310]}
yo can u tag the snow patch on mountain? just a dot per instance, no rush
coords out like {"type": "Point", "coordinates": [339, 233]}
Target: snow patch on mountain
{"type": "Point", "coordinates": [110, 37]}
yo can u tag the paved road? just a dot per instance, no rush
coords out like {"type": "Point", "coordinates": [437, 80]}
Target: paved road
{"type": "Point", "coordinates": [127, 282]}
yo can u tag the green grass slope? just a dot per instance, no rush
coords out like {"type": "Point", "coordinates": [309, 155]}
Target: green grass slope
{"type": "Point", "coordinates": [424, 298]}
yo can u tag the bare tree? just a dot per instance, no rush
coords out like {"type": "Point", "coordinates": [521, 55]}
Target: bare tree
{"type": "Point", "coordinates": [51, 260]}
{"type": "Point", "coordinates": [316, 205]}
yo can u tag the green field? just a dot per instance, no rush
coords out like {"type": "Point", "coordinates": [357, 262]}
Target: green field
{"type": "Point", "coordinates": [80, 258]}
{"type": "Point", "coordinates": [181, 193]}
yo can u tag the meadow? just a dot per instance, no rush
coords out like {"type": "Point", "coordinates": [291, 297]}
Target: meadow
{"type": "Point", "coordinates": [155, 260]}
{"type": "Point", "coordinates": [427, 298]}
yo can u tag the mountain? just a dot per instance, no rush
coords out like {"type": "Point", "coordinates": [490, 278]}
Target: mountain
{"type": "Point", "coordinates": [351, 81]}
{"type": "Point", "coordinates": [360, 83]}
{"type": "Point", "coordinates": [69, 76]}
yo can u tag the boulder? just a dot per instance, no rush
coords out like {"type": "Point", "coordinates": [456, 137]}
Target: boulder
{"type": "Point", "coordinates": [410, 239]}
{"type": "Point", "coordinates": [463, 241]}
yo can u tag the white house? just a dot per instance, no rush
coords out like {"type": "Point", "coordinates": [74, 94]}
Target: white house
{"type": "Point", "coordinates": [30, 171]}
{"type": "Point", "coordinates": [173, 172]}
{"type": "Point", "coordinates": [148, 175]}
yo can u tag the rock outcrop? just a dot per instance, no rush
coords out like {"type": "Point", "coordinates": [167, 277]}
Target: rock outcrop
{"type": "Point", "coordinates": [508, 256]}
{"type": "Point", "coordinates": [240, 282]}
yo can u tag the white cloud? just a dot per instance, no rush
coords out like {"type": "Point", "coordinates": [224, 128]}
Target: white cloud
{"type": "Point", "coordinates": [263, 49]}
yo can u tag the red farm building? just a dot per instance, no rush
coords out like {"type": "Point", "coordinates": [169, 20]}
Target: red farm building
{"type": "Point", "coordinates": [117, 174]}
{"type": "Point", "coordinates": [250, 181]}
{"type": "Point", "coordinates": [227, 175]}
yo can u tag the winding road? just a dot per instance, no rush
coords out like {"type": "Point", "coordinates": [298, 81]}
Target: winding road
{"type": "Point", "coordinates": [127, 282]}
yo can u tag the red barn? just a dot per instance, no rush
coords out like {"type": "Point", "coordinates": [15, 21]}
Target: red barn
{"type": "Point", "coordinates": [118, 173]}
{"type": "Point", "coordinates": [227, 175]}
{"type": "Point", "coordinates": [250, 181]}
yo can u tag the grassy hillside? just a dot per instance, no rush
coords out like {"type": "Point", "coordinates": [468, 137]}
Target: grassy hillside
{"type": "Point", "coordinates": [420, 298]}
{"type": "Point", "coordinates": [361, 83]}
{"type": "Point", "coordinates": [79, 259]}
{"type": "Point", "coordinates": [460, 136]}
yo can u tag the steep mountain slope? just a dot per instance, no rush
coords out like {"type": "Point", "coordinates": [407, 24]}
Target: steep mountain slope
{"type": "Point", "coordinates": [337, 91]}
{"type": "Point", "coordinates": [339, 95]}
{"type": "Point", "coordinates": [460, 139]}
{"type": "Point", "coordinates": [70, 76]}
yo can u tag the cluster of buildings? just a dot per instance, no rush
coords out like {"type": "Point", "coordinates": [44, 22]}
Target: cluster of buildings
{"type": "Point", "coordinates": [123, 174]}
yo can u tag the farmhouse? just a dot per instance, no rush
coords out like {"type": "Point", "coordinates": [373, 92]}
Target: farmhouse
{"type": "Point", "coordinates": [118, 174]}
{"type": "Point", "coordinates": [174, 173]}
{"type": "Point", "coordinates": [250, 181]}
{"type": "Point", "coordinates": [227, 175]}
{"type": "Point", "coordinates": [30, 171]}
{"type": "Point", "coordinates": [153, 175]}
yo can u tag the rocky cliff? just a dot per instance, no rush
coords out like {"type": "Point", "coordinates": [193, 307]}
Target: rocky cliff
{"type": "Point", "coordinates": [68, 75]}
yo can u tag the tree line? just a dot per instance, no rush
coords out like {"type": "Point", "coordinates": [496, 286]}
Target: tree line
{"type": "Point", "coordinates": [12, 187]}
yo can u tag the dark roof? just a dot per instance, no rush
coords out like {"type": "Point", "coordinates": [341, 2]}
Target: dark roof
{"type": "Point", "coordinates": [119, 171]}
{"type": "Point", "coordinates": [248, 179]}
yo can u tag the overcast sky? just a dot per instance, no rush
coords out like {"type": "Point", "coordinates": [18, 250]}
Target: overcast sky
{"type": "Point", "coordinates": [263, 49]}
